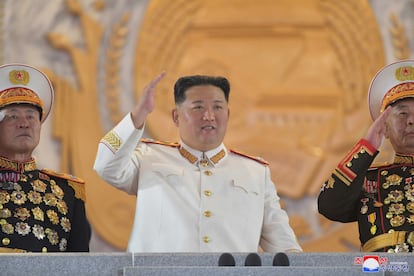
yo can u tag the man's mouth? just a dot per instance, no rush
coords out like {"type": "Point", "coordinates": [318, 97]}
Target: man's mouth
{"type": "Point", "coordinates": [24, 135]}
{"type": "Point", "coordinates": [208, 127]}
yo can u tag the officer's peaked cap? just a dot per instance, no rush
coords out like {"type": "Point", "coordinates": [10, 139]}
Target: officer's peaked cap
{"type": "Point", "coordinates": [393, 82]}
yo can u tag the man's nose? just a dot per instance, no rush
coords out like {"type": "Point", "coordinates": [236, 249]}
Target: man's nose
{"type": "Point", "coordinates": [209, 115]}
{"type": "Point", "coordinates": [23, 123]}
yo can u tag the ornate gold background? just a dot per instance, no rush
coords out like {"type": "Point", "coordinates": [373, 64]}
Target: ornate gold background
{"type": "Point", "coordinates": [299, 72]}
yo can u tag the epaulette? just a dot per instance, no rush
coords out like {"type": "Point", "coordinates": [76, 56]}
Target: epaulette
{"type": "Point", "coordinates": [151, 141]}
{"type": "Point", "coordinates": [78, 184]}
{"type": "Point", "coordinates": [379, 165]}
{"type": "Point", "coordinates": [64, 176]}
{"type": "Point", "coordinates": [255, 158]}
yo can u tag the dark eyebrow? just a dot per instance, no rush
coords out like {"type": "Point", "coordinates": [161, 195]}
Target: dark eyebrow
{"type": "Point", "coordinates": [202, 101]}
{"type": "Point", "coordinates": [28, 110]}
{"type": "Point", "coordinates": [197, 101]}
{"type": "Point", "coordinates": [401, 106]}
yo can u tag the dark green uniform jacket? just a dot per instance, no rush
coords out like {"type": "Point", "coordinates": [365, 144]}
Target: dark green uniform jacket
{"type": "Point", "coordinates": [41, 210]}
{"type": "Point", "coordinates": [380, 198]}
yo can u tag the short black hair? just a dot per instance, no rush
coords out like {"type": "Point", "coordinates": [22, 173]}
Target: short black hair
{"type": "Point", "coordinates": [184, 83]}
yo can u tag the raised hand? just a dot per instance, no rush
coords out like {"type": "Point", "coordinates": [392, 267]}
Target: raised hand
{"type": "Point", "coordinates": [145, 103]}
{"type": "Point", "coordinates": [376, 132]}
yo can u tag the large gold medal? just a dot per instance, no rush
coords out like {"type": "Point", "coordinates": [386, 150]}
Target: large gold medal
{"type": "Point", "coordinates": [409, 194]}
{"type": "Point", "coordinates": [394, 196]}
{"type": "Point", "coordinates": [397, 221]}
{"type": "Point", "coordinates": [4, 197]}
{"type": "Point", "coordinates": [392, 180]}
{"type": "Point", "coordinates": [410, 207]}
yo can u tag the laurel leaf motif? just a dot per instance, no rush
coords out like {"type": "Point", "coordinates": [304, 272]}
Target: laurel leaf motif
{"type": "Point", "coordinates": [348, 20]}
{"type": "Point", "coordinates": [399, 38]}
{"type": "Point", "coordinates": [117, 41]}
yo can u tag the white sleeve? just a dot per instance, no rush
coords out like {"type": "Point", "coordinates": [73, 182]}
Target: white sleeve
{"type": "Point", "coordinates": [277, 234]}
{"type": "Point", "coordinates": [116, 161]}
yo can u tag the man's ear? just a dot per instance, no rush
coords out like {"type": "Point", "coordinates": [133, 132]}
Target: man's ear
{"type": "Point", "coordinates": [174, 116]}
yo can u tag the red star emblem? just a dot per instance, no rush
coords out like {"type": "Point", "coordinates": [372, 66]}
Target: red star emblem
{"type": "Point", "coordinates": [19, 75]}
{"type": "Point", "coordinates": [405, 71]}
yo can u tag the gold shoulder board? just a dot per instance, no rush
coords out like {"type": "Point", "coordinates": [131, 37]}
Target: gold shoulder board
{"type": "Point", "coordinates": [78, 184]}
{"type": "Point", "coordinates": [379, 165]}
{"type": "Point", "coordinates": [255, 158]}
{"type": "Point", "coordinates": [151, 141]}
{"type": "Point", "coordinates": [64, 176]}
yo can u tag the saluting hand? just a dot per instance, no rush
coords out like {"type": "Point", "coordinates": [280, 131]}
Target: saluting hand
{"type": "Point", "coordinates": [146, 102]}
{"type": "Point", "coordinates": [376, 132]}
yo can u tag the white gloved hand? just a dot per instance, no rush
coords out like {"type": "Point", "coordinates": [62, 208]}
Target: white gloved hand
{"type": "Point", "coordinates": [2, 115]}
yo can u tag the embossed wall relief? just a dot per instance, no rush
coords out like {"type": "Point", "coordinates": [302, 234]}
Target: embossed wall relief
{"type": "Point", "coordinates": [299, 72]}
{"type": "Point", "coordinates": [77, 122]}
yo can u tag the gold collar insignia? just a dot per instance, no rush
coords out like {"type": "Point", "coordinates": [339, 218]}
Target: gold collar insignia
{"type": "Point", "coordinates": [20, 167]}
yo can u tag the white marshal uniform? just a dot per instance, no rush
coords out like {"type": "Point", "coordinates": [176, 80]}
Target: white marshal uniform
{"type": "Point", "coordinates": [222, 202]}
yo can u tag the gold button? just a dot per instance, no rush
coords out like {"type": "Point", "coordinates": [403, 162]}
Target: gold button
{"type": "Point", "coordinates": [207, 214]}
{"type": "Point", "coordinates": [5, 241]}
{"type": "Point", "coordinates": [208, 173]}
{"type": "Point", "coordinates": [349, 164]}
{"type": "Point", "coordinates": [44, 249]}
{"type": "Point", "coordinates": [204, 163]}
{"type": "Point", "coordinates": [206, 239]}
{"type": "Point", "coordinates": [207, 193]}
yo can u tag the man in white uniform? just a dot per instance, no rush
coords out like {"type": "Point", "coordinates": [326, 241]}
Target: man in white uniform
{"type": "Point", "coordinates": [195, 195]}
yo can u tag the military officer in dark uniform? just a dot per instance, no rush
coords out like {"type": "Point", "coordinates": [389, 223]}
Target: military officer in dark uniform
{"type": "Point", "coordinates": [380, 198]}
{"type": "Point", "coordinates": [40, 210]}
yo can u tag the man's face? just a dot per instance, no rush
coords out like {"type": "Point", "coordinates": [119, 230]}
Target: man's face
{"type": "Point", "coordinates": [202, 118]}
{"type": "Point", "coordinates": [20, 130]}
{"type": "Point", "coordinates": [400, 126]}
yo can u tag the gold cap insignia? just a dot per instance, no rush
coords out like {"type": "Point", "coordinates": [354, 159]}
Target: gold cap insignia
{"type": "Point", "coordinates": [404, 73]}
{"type": "Point", "coordinates": [19, 77]}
